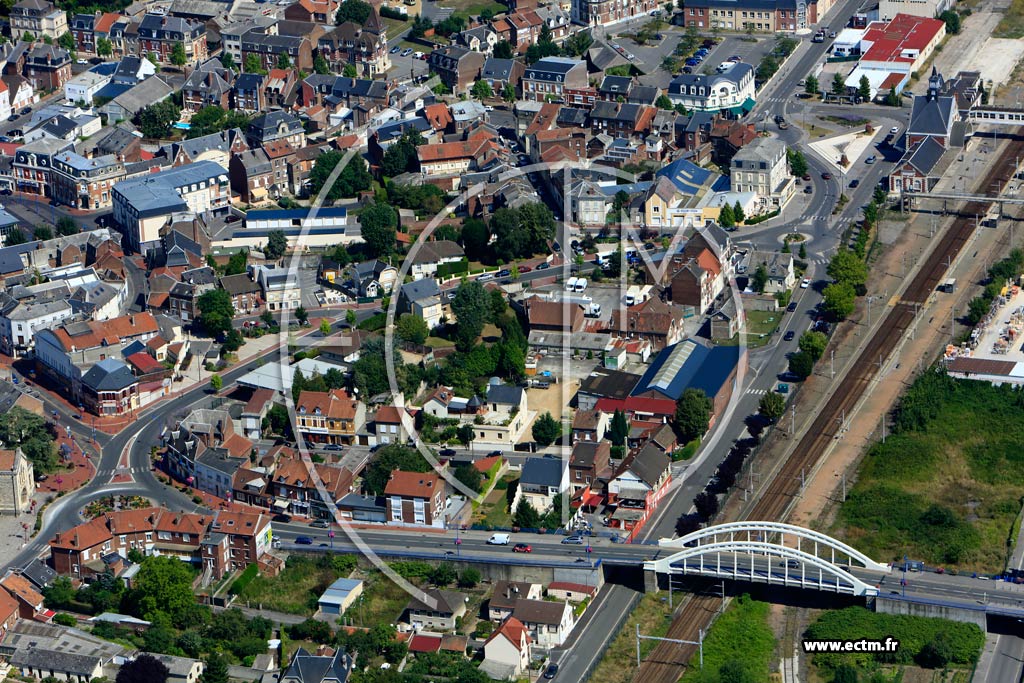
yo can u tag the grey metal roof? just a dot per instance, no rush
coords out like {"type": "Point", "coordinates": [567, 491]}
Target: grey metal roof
{"type": "Point", "coordinates": [930, 116]}
{"type": "Point", "coordinates": [497, 69]}
{"type": "Point", "coordinates": [110, 374]}
{"type": "Point", "coordinates": [504, 394]}
{"type": "Point", "coordinates": [420, 289]}
{"type": "Point", "coordinates": [551, 68]}
{"type": "Point", "coordinates": [159, 191]}
{"type": "Point", "coordinates": [307, 668]}
{"type": "Point", "coordinates": [143, 94]}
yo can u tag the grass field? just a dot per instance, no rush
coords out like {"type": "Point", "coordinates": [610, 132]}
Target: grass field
{"type": "Point", "coordinates": [472, 8]}
{"type": "Point", "coordinates": [1012, 23]}
{"type": "Point", "coordinates": [293, 591]}
{"type": "Point", "coordinates": [382, 601]}
{"type": "Point", "coordinates": [740, 635]}
{"type": "Point", "coordinates": [494, 511]}
{"type": "Point", "coordinates": [947, 485]}
{"type": "Point", "coordinates": [760, 326]}
{"type": "Point", "coordinates": [618, 664]}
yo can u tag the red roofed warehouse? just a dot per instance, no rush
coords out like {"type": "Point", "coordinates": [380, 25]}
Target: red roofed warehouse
{"type": "Point", "coordinates": [904, 44]}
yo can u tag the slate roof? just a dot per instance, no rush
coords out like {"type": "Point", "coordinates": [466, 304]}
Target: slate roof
{"type": "Point", "coordinates": [930, 116]}
{"type": "Point", "coordinates": [542, 472]}
{"type": "Point", "coordinates": [421, 289]}
{"type": "Point", "coordinates": [550, 69]}
{"type": "Point", "coordinates": [504, 394]}
{"type": "Point", "coordinates": [497, 69]}
{"type": "Point", "coordinates": [925, 156]}
{"type": "Point", "coordinates": [447, 602]}
{"type": "Point", "coordinates": [109, 374]}
{"type": "Point", "coordinates": [648, 464]}
{"type": "Point", "coordinates": [309, 668]}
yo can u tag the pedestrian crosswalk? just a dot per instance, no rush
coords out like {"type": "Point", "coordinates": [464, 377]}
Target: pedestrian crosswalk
{"type": "Point", "coordinates": [106, 472]}
{"type": "Point", "coordinates": [757, 392]}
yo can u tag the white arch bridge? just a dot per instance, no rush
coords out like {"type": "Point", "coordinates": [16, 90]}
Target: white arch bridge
{"type": "Point", "coordinates": [773, 553]}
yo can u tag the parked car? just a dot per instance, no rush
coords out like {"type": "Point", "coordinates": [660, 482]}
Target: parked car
{"type": "Point", "coordinates": [808, 189]}
{"type": "Point", "coordinates": [894, 130]}
{"type": "Point", "coordinates": [26, 111]}
{"type": "Point", "coordinates": [791, 307]}
{"type": "Point", "coordinates": [789, 336]}
{"type": "Point", "coordinates": [395, 50]}
{"type": "Point", "coordinates": [544, 266]}
{"type": "Point", "coordinates": [505, 272]}
{"type": "Point", "coordinates": [871, 159]}
{"type": "Point", "coordinates": [303, 540]}
{"type": "Point", "coordinates": [855, 182]}
{"type": "Point", "coordinates": [12, 117]}
{"type": "Point", "coordinates": [525, 269]}
{"type": "Point", "coordinates": [522, 548]}
{"type": "Point", "coordinates": [406, 52]}
{"type": "Point", "coordinates": [485, 277]}
{"type": "Point", "coordinates": [573, 540]}
{"type": "Point", "coordinates": [551, 671]}
{"type": "Point", "coordinates": [446, 452]}
{"type": "Point", "coordinates": [805, 283]}
{"type": "Point", "coordinates": [320, 524]}
{"type": "Point", "coordinates": [332, 447]}
{"type": "Point", "coordinates": [826, 176]}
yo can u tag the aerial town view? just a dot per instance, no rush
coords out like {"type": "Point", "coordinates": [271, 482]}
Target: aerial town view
{"type": "Point", "coordinates": [455, 341]}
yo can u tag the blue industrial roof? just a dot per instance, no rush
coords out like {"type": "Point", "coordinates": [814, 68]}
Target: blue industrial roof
{"type": "Point", "coordinates": [688, 365]}
{"type": "Point", "coordinates": [687, 176]}
{"type": "Point", "coordinates": [280, 214]}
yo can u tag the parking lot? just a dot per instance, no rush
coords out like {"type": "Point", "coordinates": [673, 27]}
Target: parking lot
{"type": "Point", "coordinates": [404, 68]}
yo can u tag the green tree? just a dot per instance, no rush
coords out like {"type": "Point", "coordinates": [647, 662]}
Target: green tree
{"type": "Point", "coordinates": [509, 93]}
{"type": "Point", "coordinates": [237, 262]}
{"type": "Point", "coordinates": [726, 218]}
{"type": "Point", "coordinates": [302, 315]}
{"type": "Point", "coordinates": [163, 584]}
{"type": "Point", "coordinates": [737, 213]}
{"type": "Point", "coordinates": [377, 225]}
{"type": "Point", "coordinates": [767, 68]}
{"type": "Point", "coordinates": [619, 428]}
{"type": "Point", "coordinates": [801, 364]}
{"type": "Point", "coordinates": [412, 328]}
{"type": "Point", "coordinates": [155, 120]}
{"type": "Point", "coordinates": [813, 344]}
{"type": "Point", "coordinates": [403, 156]}
{"type": "Point", "coordinates": [178, 56]}
{"type": "Point", "coordinates": [937, 652]}
{"type": "Point", "coordinates": [66, 226]}
{"type": "Point", "coordinates": [215, 312]}
{"type": "Point", "coordinates": [216, 383]}
{"type": "Point", "coordinates": [760, 279]}
{"type": "Point", "coordinates": [352, 180]}
{"type": "Point", "coordinates": [845, 267]}
{"type": "Point", "coordinates": [59, 594]}
{"type": "Point", "coordinates": [546, 430]}
{"type": "Point", "coordinates": [253, 65]}
{"type": "Point", "coordinates": [216, 669]}
{"type": "Point", "coordinates": [325, 326]}
{"type": "Point", "coordinates": [797, 162]}
{"type": "Point", "coordinates": [893, 99]}
{"type": "Point", "coordinates": [864, 89]}
{"type": "Point", "coordinates": [466, 434]}
{"type": "Point", "coordinates": [65, 619]}
{"type": "Point", "coordinates": [442, 575]}
{"type": "Point", "coordinates": [15, 236]}
{"type": "Point", "coordinates": [388, 459]}
{"type": "Point", "coordinates": [350, 317]}
{"type": "Point", "coordinates": [803, 251]}
{"type": "Point", "coordinates": [475, 238]}
{"type": "Point", "coordinates": [522, 232]}
{"type": "Point", "coordinates": [277, 244]}
{"type": "Point", "coordinates": [67, 41]}
{"type": "Point", "coordinates": [952, 20]}
{"type": "Point", "coordinates": [355, 11]}
{"type": "Point", "coordinates": [735, 671]}
{"type": "Point", "coordinates": [284, 61]}
{"type": "Point", "coordinates": [693, 414]}
{"type": "Point", "coordinates": [469, 578]}
{"type": "Point", "coordinates": [470, 476]}
{"type": "Point", "coordinates": [772, 405]}
{"type": "Point", "coordinates": [811, 85]}
{"type": "Point", "coordinates": [503, 50]}
{"type": "Point", "coordinates": [838, 85]}
{"type": "Point", "coordinates": [320, 64]}
{"type": "Point", "coordinates": [845, 673]}
{"type": "Point", "coordinates": [839, 300]}
{"type": "Point", "coordinates": [104, 48]}
{"type": "Point", "coordinates": [482, 90]}
{"type": "Point", "coordinates": [226, 60]}
{"type": "Point", "coordinates": [42, 232]}
{"type": "Point", "coordinates": [663, 102]}
{"type": "Point", "coordinates": [143, 669]}
{"type": "Point", "coordinates": [526, 516]}
{"type": "Point", "coordinates": [213, 119]}
{"type": "Point", "coordinates": [472, 310]}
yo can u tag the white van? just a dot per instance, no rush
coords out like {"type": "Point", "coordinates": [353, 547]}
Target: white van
{"type": "Point", "coordinates": [581, 285]}
{"type": "Point", "coordinates": [570, 284]}
{"type": "Point", "coordinates": [498, 539]}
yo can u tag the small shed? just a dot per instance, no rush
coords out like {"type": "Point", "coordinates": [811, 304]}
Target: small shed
{"type": "Point", "coordinates": [340, 595]}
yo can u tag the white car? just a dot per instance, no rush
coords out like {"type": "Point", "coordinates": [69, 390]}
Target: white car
{"type": "Point", "coordinates": [805, 283]}
{"type": "Point", "coordinates": [894, 130]}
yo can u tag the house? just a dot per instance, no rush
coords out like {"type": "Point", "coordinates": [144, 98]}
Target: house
{"type": "Point", "coordinates": [160, 35]}
{"type": "Point", "coordinates": [372, 279]}
{"type": "Point", "coordinates": [589, 426]}
{"type": "Point", "coordinates": [655, 320]}
{"type": "Point", "coordinates": [30, 601]}
{"type": "Point", "coordinates": [762, 167]}
{"type": "Point", "coordinates": [755, 15]}
{"type": "Point", "coordinates": [308, 668]}
{"type": "Point", "coordinates": [33, 165]}
{"type": "Point", "coordinates": [388, 425]}
{"type": "Point", "coordinates": [246, 294]}
{"type": "Point", "coordinates": [252, 176]}
{"type": "Point", "coordinates": [501, 73]}
{"type": "Point", "coordinates": [39, 18]}
{"type": "Point", "coordinates": [125, 106]}
{"type": "Point", "coordinates": [46, 650]}
{"type": "Point", "coordinates": [433, 255]}
{"type": "Point", "coordinates": [506, 594]}
{"type": "Point", "coordinates": [589, 461]}
{"type": "Point", "coordinates": [550, 77]}
{"type": "Point", "coordinates": [680, 196]}
{"type": "Point", "coordinates": [248, 93]}
{"type": "Point", "coordinates": [779, 269]}
{"type": "Point", "coordinates": [541, 480]}
{"type": "Point", "coordinates": [84, 183]}
{"type": "Point", "coordinates": [182, 669]}
{"type": "Point", "coordinates": [422, 298]}
{"type": "Point", "coordinates": [571, 592]}
{"type": "Point", "coordinates": [730, 92]}
{"type": "Point", "coordinates": [8, 613]}
{"type": "Point", "coordinates": [507, 653]}
{"type": "Point", "coordinates": [312, 11]}
{"type": "Point", "coordinates": [274, 126]}
{"type": "Point", "coordinates": [436, 609]}
{"type": "Point", "coordinates": [209, 85]}
{"type": "Point", "coordinates": [457, 67]}
{"type": "Point", "coordinates": [415, 498]}
{"type": "Point", "coordinates": [548, 623]}
{"type": "Point", "coordinates": [725, 321]}
{"type": "Point", "coordinates": [364, 46]}
{"type": "Point", "coordinates": [690, 365]}
{"type": "Point", "coordinates": [339, 596]}
{"type": "Point", "coordinates": [281, 287]}
{"type": "Point", "coordinates": [554, 316]}
{"type": "Point", "coordinates": [920, 168]}
{"type": "Point", "coordinates": [83, 87]}
{"type": "Point", "coordinates": [328, 417]}
{"type": "Point", "coordinates": [638, 486]}
{"type": "Point", "coordinates": [607, 12]}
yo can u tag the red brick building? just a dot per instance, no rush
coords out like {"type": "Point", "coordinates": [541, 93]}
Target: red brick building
{"type": "Point", "coordinates": [415, 498]}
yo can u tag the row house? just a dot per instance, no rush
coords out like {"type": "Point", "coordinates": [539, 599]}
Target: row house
{"type": "Point", "coordinates": [47, 67]}
{"type": "Point", "coordinates": [232, 33]}
{"type": "Point", "coordinates": [251, 176]}
{"type": "Point", "coordinates": [268, 48]}
{"type": "Point", "coordinates": [477, 38]}
{"type": "Point", "coordinates": [500, 73]}
{"type": "Point", "coordinates": [328, 417]}
{"type": "Point", "coordinates": [83, 30]}
{"type": "Point", "coordinates": [607, 12]}
{"type": "Point", "coordinates": [312, 11]}
{"type": "Point", "coordinates": [246, 295]}
{"type": "Point", "coordinates": [549, 78]}
{"type": "Point", "coordinates": [300, 166]}
{"type": "Point", "coordinates": [33, 165]}
{"type": "Point", "coordinates": [415, 498]}
{"type": "Point", "coordinates": [364, 97]}
{"type": "Point", "coordinates": [248, 93]}
{"type": "Point", "coordinates": [279, 87]}
{"type": "Point", "coordinates": [114, 27]}
{"type": "Point", "coordinates": [202, 431]}
{"type": "Point", "coordinates": [158, 34]}
{"type": "Point", "coordinates": [219, 542]}
{"type": "Point", "coordinates": [524, 29]}
{"type": "Point", "coordinates": [183, 298]}
{"type": "Point", "coordinates": [208, 85]}
{"type": "Point", "coordinates": [364, 46]}
{"type": "Point", "coordinates": [456, 158]}
{"type": "Point", "coordinates": [638, 486]}
{"type": "Point", "coordinates": [620, 120]}
{"type": "Point", "coordinates": [276, 126]}
{"type": "Point", "coordinates": [39, 19]}
{"type": "Point", "coordinates": [86, 183]}
{"type": "Point", "coordinates": [755, 15]}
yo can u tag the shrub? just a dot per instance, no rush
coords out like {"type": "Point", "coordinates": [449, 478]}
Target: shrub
{"type": "Point", "coordinates": [244, 579]}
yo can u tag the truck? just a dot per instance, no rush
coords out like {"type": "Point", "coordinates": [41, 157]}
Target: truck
{"type": "Point", "coordinates": [592, 310]}
{"type": "Point", "coordinates": [580, 285]}
{"type": "Point", "coordinates": [570, 284]}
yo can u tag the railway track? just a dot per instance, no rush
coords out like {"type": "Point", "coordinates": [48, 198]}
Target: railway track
{"type": "Point", "coordinates": [667, 661]}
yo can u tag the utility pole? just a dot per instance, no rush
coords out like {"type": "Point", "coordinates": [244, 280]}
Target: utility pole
{"type": "Point", "coordinates": [883, 427]}
{"type": "Point", "coordinates": [792, 419]}
{"type": "Point", "coordinates": [832, 362]}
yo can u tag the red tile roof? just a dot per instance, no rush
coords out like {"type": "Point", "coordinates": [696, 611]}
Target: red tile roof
{"type": "Point", "coordinates": [655, 406]}
{"type": "Point", "coordinates": [413, 484]}
{"type": "Point", "coordinates": [19, 587]}
{"type": "Point", "coordinates": [513, 630]}
{"type": "Point", "coordinates": [422, 642]}
{"type": "Point", "coordinates": [144, 363]}
{"type": "Point", "coordinates": [570, 586]}
{"type": "Point", "coordinates": [335, 403]}
{"type": "Point", "coordinates": [389, 415]}
{"type": "Point", "coordinates": [485, 464]}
